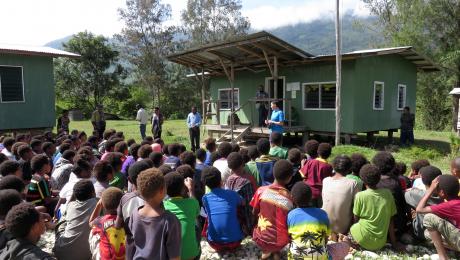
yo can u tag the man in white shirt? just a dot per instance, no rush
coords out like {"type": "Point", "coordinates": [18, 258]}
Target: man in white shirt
{"type": "Point", "coordinates": [142, 117]}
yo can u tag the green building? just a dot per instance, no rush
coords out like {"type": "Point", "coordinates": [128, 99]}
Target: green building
{"type": "Point", "coordinates": [376, 84]}
{"type": "Point", "coordinates": [27, 98]}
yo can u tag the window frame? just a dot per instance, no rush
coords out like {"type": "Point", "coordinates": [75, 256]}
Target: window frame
{"type": "Point", "coordinates": [229, 100]}
{"type": "Point", "coordinates": [382, 97]}
{"type": "Point", "coordinates": [404, 97]}
{"type": "Point", "coordinates": [22, 81]}
{"type": "Point", "coordinates": [320, 94]}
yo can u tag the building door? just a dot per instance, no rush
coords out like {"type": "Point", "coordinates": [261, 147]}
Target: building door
{"type": "Point", "coordinates": [278, 91]}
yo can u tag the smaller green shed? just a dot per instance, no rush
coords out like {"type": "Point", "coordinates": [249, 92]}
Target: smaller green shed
{"type": "Point", "coordinates": [27, 96]}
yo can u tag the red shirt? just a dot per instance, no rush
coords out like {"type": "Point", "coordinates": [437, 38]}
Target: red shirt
{"type": "Point", "coordinates": [314, 172]}
{"type": "Point", "coordinates": [449, 210]}
{"type": "Point", "coordinates": [273, 203]}
{"type": "Point", "coordinates": [112, 239]}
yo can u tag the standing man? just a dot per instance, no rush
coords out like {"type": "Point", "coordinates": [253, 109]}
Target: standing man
{"type": "Point", "coordinates": [276, 122]}
{"type": "Point", "coordinates": [63, 122]}
{"type": "Point", "coordinates": [193, 123]}
{"type": "Point", "coordinates": [407, 127]}
{"type": "Point", "coordinates": [98, 121]}
{"type": "Point", "coordinates": [142, 117]}
{"type": "Point", "coordinates": [260, 105]}
{"type": "Point", "coordinates": [157, 123]}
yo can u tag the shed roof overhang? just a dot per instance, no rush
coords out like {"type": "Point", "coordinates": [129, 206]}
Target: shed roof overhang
{"type": "Point", "coordinates": [35, 51]}
{"type": "Point", "coordinates": [251, 52]}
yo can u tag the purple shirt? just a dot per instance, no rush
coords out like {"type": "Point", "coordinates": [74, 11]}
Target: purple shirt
{"type": "Point", "coordinates": [128, 162]}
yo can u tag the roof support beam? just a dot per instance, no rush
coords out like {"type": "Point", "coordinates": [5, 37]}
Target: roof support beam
{"type": "Point", "coordinates": [270, 50]}
{"type": "Point", "coordinates": [267, 59]}
{"type": "Point", "coordinates": [253, 53]}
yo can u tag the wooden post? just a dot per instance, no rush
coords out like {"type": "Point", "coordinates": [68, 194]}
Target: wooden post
{"type": "Point", "coordinates": [203, 98]}
{"type": "Point", "coordinates": [232, 79]}
{"type": "Point", "coordinates": [338, 66]}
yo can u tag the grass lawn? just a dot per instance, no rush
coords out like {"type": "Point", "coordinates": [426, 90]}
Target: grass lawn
{"type": "Point", "coordinates": [434, 146]}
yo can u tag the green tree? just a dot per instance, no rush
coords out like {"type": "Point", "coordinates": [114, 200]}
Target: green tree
{"type": "Point", "coordinates": [145, 40]}
{"type": "Point", "coordinates": [85, 82]}
{"type": "Point", "coordinates": [433, 28]}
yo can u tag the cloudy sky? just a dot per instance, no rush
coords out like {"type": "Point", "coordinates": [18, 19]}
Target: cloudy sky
{"type": "Point", "coordinates": [36, 22]}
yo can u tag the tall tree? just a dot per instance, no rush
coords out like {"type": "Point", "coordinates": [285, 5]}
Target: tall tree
{"type": "Point", "coordinates": [433, 28]}
{"type": "Point", "coordinates": [145, 40]}
{"type": "Point", "coordinates": [86, 82]}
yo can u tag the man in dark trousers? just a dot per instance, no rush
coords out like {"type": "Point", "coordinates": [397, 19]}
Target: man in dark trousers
{"type": "Point", "coordinates": [407, 127]}
{"type": "Point", "coordinates": [193, 123]}
{"type": "Point", "coordinates": [98, 120]}
{"type": "Point", "coordinates": [261, 105]}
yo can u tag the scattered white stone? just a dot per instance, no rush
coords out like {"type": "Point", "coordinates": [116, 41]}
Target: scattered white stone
{"type": "Point", "coordinates": [434, 257]}
{"type": "Point", "coordinates": [369, 254]}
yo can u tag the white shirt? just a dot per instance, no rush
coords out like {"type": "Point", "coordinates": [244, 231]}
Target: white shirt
{"type": "Point", "coordinates": [8, 154]}
{"type": "Point", "coordinates": [142, 116]}
{"type": "Point", "coordinates": [222, 165]}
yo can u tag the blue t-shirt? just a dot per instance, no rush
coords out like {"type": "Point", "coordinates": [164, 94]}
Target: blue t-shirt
{"type": "Point", "coordinates": [277, 116]}
{"type": "Point", "coordinates": [172, 161]}
{"type": "Point", "coordinates": [221, 207]}
{"type": "Point", "coordinates": [208, 159]}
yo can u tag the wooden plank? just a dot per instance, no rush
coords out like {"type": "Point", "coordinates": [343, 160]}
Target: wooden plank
{"type": "Point", "coordinates": [247, 50]}
{"type": "Point", "coordinates": [272, 51]}
{"type": "Point", "coordinates": [267, 59]}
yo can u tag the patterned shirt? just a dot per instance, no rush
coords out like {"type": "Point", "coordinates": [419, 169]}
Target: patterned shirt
{"type": "Point", "coordinates": [38, 190]}
{"type": "Point", "coordinates": [107, 241]}
{"type": "Point", "coordinates": [245, 189]}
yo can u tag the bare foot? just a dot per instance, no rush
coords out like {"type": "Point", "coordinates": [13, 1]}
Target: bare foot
{"type": "Point", "coordinates": [266, 255]}
{"type": "Point", "coordinates": [276, 256]}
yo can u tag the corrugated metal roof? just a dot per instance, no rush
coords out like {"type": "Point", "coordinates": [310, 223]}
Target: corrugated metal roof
{"type": "Point", "coordinates": [35, 51]}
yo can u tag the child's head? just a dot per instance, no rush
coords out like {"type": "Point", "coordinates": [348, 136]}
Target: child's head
{"type": "Point", "coordinates": [276, 138]}
{"type": "Point", "coordinates": [235, 147]}
{"type": "Point", "coordinates": [201, 155]}
{"type": "Point", "coordinates": [253, 152]}
{"type": "Point", "coordinates": [144, 151]}
{"type": "Point", "coordinates": [25, 152]}
{"type": "Point", "coordinates": [455, 167]}
{"type": "Point", "coordinates": [36, 146]}
{"type": "Point", "coordinates": [225, 148]}
{"type": "Point", "coordinates": [40, 164]}
{"type": "Point", "coordinates": [23, 221]}
{"type": "Point", "coordinates": [214, 157]}
{"type": "Point", "coordinates": [84, 190]}
{"type": "Point", "coordinates": [165, 169]}
{"type": "Point", "coordinates": [301, 194]}
{"type": "Point", "coordinates": [49, 148]}
{"type": "Point", "coordinates": [370, 175]}
{"type": "Point", "coordinates": [448, 187]}
{"type": "Point", "coordinates": [8, 143]}
{"type": "Point", "coordinates": [244, 153]}
{"type": "Point", "coordinates": [135, 169]}
{"type": "Point", "coordinates": [211, 177]}
{"type": "Point", "coordinates": [115, 160]}
{"type": "Point", "coordinates": [12, 182]}
{"type": "Point", "coordinates": [130, 142]}
{"type": "Point", "coordinates": [235, 161]}
{"type": "Point", "coordinates": [263, 146]}
{"type": "Point", "coordinates": [188, 158]}
{"type": "Point", "coordinates": [148, 140]}
{"type": "Point", "coordinates": [174, 184]}
{"type": "Point", "coordinates": [282, 170]}
{"type": "Point", "coordinates": [151, 186]}
{"type": "Point", "coordinates": [174, 150]}
{"type": "Point", "coordinates": [8, 198]}
{"type": "Point", "coordinates": [111, 199]}
{"type": "Point", "coordinates": [357, 161]}
{"type": "Point", "coordinates": [295, 156]}
{"type": "Point", "coordinates": [103, 171]}
{"type": "Point", "coordinates": [385, 162]}
{"type": "Point", "coordinates": [210, 144]}
{"type": "Point", "coordinates": [156, 158]}
{"type": "Point", "coordinates": [429, 173]}
{"type": "Point", "coordinates": [401, 168]}
{"type": "Point", "coordinates": [82, 169]}
{"type": "Point", "coordinates": [324, 150]}
{"type": "Point", "coordinates": [186, 171]}
{"type": "Point", "coordinates": [134, 149]}
{"type": "Point", "coordinates": [10, 168]}
{"type": "Point", "coordinates": [166, 149]}
{"type": "Point", "coordinates": [342, 165]}
{"type": "Point", "coordinates": [68, 155]}
{"type": "Point", "coordinates": [311, 148]}
{"type": "Point", "coordinates": [417, 165]}
{"type": "Point", "coordinates": [121, 147]}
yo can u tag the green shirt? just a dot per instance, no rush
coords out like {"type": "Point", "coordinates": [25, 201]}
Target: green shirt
{"type": "Point", "coordinates": [186, 210]}
{"type": "Point", "coordinates": [251, 167]}
{"type": "Point", "coordinates": [279, 152]}
{"type": "Point", "coordinates": [357, 179]}
{"type": "Point", "coordinates": [118, 181]}
{"type": "Point", "coordinates": [374, 209]}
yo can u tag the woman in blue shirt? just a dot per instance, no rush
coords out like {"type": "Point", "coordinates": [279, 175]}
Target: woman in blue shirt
{"type": "Point", "coordinates": [276, 121]}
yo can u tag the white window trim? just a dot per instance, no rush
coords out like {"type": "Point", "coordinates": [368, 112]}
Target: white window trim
{"type": "Point", "coordinates": [404, 96]}
{"type": "Point", "coordinates": [383, 96]}
{"type": "Point", "coordinates": [237, 97]}
{"type": "Point", "coordinates": [23, 94]}
{"type": "Point", "coordinates": [316, 83]}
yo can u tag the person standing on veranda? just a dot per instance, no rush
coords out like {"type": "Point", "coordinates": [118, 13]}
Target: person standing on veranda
{"type": "Point", "coordinates": [98, 120]}
{"type": "Point", "coordinates": [157, 123]}
{"type": "Point", "coordinates": [142, 117]}
{"type": "Point", "coordinates": [261, 105]}
{"type": "Point", "coordinates": [276, 122]}
{"type": "Point", "coordinates": [193, 123]}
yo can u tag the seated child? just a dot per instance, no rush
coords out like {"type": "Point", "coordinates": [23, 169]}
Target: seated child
{"type": "Point", "coordinates": [338, 195]}
{"type": "Point", "coordinates": [153, 232]}
{"type": "Point", "coordinates": [415, 175]}
{"type": "Point", "coordinates": [265, 162]}
{"type": "Point", "coordinates": [107, 241]}
{"type": "Point", "coordinates": [309, 229]}
{"type": "Point", "coordinates": [414, 195]}
{"type": "Point", "coordinates": [373, 210]}
{"type": "Point", "coordinates": [400, 171]}
{"type": "Point", "coordinates": [224, 231]}
{"type": "Point", "coordinates": [357, 162]}
{"type": "Point", "coordinates": [245, 185]}
{"type": "Point", "coordinates": [173, 160]}
{"type": "Point", "coordinates": [186, 210]}
{"type": "Point", "coordinates": [26, 225]}
{"type": "Point", "coordinates": [115, 160]}
{"type": "Point", "coordinates": [442, 221]}
{"type": "Point", "coordinates": [251, 166]}
{"type": "Point", "coordinates": [103, 172]}
{"type": "Point", "coordinates": [10, 168]}
{"type": "Point", "coordinates": [276, 140]}
{"type": "Point", "coordinates": [8, 199]}
{"type": "Point", "coordinates": [271, 205]}
{"type": "Point", "coordinates": [13, 182]}
{"type": "Point", "coordinates": [295, 157]}
{"type": "Point", "coordinates": [224, 149]}
{"type": "Point", "coordinates": [39, 190]}
{"type": "Point", "coordinates": [72, 235]}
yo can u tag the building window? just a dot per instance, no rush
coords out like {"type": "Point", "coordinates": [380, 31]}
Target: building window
{"type": "Point", "coordinates": [319, 95]}
{"type": "Point", "coordinates": [11, 84]}
{"type": "Point", "coordinates": [225, 98]}
{"type": "Point", "coordinates": [378, 95]}
{"type": "Point", "coordinates": [401, 96]}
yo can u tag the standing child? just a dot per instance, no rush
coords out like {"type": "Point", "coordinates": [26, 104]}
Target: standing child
{"type": "Point", "coordinates": [153, 232]}
{"type": "Point", "coordinates": [186, 210]}
{"type": "Point", "coordinates": [224, 232]}
{"type": "Point", "coordinates": [107, 241]}
{"type": "Point", "coordinates": [271, 205]}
